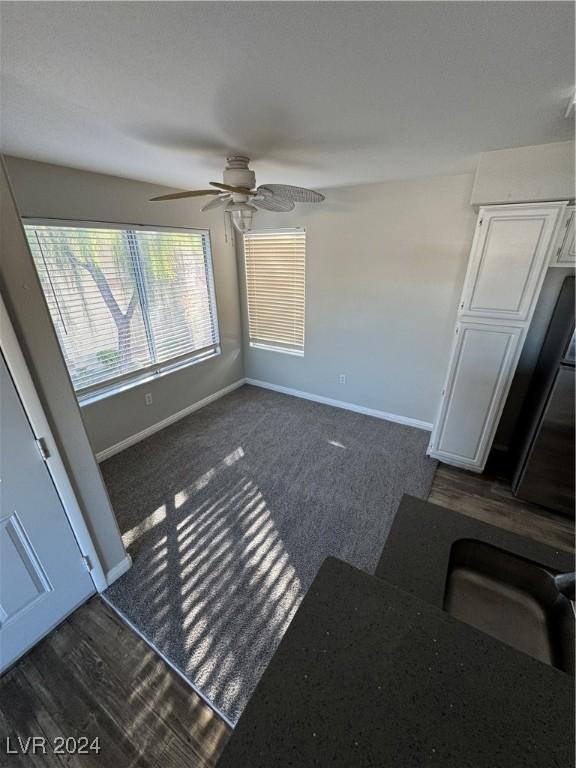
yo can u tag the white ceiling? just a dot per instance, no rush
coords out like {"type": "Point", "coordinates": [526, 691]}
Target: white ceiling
{"type": "Point", "coordinates": [318, 94]}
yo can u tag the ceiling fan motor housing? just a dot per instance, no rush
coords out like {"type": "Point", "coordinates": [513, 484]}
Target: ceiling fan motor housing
{"type": "Point", "coordinates": [237, 173]}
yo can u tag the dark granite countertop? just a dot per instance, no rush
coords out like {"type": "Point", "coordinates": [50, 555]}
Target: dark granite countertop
{"type": "Point", "coordinates": [416, 555]}
{"type": "Point", "coordinates": [370, 676]}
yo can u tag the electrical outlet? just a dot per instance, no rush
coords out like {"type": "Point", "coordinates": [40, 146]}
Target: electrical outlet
{"type": "Point", "coordinates": [342, 378]}
{"type": "Point", "coordinates": [148, 398]}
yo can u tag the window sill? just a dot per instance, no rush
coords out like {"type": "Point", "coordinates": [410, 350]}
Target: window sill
{"type": "Point", "coordinates": [272, 348]}
{"type": "Point", "coordinates": [137, 381]}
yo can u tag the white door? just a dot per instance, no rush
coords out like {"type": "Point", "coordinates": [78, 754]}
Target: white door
{"type": "Point", "coordinates": [480, 374]}
{"type": "Point", "coordinates": [508, 261]}
{"type": "Point", "coordinates": [43, 576]}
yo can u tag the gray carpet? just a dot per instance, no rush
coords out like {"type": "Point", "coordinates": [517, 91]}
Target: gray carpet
{"type": "Point", "coordinates": [229, 513]}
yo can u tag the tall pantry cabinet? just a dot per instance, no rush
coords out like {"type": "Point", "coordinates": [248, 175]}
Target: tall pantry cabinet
{"type": "Point", "coordinates": [513, 247]}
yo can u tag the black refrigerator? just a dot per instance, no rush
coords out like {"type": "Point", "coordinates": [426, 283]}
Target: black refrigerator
{"type": "Point", "coordinates": [545, 469]}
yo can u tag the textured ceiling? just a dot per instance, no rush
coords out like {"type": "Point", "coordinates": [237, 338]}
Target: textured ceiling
{"type": "Point", "coordinates": [319, 94]}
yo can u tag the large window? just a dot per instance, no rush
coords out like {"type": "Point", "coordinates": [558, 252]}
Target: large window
{"type": "Point", "coordinates": [126, 301]}
{"type": "Point", "coordinates": [275, 287]}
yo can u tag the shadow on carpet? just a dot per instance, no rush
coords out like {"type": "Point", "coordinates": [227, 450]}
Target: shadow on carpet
{"type": "Point", "coordinates": [229, 513]}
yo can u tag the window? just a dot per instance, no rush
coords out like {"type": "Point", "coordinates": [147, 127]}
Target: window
{"type": "Point", "coordinates": [126, 301]}
{"type": "Point", "coordinates": [275, 282]}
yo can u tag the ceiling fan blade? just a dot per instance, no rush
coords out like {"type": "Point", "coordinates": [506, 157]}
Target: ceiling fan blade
{"type": "Point", "coordinates": [270, 203]}
{"type": "Point", "coordinates": [180, 195]}
{"type": "Point", "coordinates": [296, 194]}
{"type": "Point", "coordinates": [216, 203]}
{"type": "Point", "coordinates": [228, 188]}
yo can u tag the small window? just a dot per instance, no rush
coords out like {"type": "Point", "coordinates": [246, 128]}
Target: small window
{"type": "Point", "coordinates": [275, 287]}
{"type": "Point", "coordinates": [126, 302]}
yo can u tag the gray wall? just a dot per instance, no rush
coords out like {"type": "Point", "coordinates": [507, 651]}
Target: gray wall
{"type": "Point", "coordinates": [385, 267]}
{"type": "Point", "coordinates": [29, 314]}
{"type": "Point", "coordinates": [51, 191]}
{"type": "Point", "coordinates": [384, 272]}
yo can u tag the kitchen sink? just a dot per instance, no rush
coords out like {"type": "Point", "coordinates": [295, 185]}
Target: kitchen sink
{"type": "Point", "coordinates": [515, 600]}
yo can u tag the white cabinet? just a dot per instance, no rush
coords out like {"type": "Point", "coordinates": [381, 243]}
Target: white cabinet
{"type": "Point", "coordinates": [565, 253]}
{"type": "Point", "coordinates": [511, 252]}
{"type": "Point", "coordinates": [480, 373]}
{"type": "Point", "coordinates": [508, 261]}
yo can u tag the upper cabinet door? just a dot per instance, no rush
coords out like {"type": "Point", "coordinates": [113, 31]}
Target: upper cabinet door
{"type": "Point", "coordinates": [510, 254]}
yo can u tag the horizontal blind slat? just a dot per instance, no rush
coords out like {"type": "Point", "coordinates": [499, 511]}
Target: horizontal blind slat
{"type": "Point", "coordinates": [167, 273]}
{"type": "Point", "coordinates": [275, 287]}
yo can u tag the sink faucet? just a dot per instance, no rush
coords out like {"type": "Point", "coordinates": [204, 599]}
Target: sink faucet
{"type": "Point", "coordinates": [565, 582]}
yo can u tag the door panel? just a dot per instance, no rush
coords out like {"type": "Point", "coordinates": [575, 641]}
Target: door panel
{"type": "Point", "coordinates": [509, 257]}
{"type": "Point", "coordinates": [480, 373]}
{"type": "Point", "coordinates": [42, 573]}
{"type": "Point", "coordinates": [28, 583]}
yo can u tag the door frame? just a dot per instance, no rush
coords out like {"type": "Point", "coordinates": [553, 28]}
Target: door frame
{"type": "Point", "coordinates": [36, 416]}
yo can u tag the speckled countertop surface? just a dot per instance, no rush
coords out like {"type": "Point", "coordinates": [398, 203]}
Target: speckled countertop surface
{"type": "Point", "coordinates": [369, 676]}
{"type": "Point", "coordinates": [416, 555]}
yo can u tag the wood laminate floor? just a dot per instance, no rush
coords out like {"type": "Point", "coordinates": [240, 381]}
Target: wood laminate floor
{"type": "Point", "coordinates": [94, 676]}
{"type": "Point", "coordinates": [491, 499]}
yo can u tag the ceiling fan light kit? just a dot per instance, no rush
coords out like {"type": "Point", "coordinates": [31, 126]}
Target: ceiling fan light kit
{"type": "Point", "coordinates": [242, 198]}
{"type": "Point", "coordinates": [242, 215]}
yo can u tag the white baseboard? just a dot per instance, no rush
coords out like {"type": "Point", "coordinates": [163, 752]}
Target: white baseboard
{"type": "Point", "coordinates": [119, 569]}
{"type": "Point", "coordinates": [133, 439]}
{"type": "Point", "coordinates": [426, 425]}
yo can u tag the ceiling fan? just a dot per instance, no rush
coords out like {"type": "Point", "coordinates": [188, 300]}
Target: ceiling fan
{"type": "Point", "coordinates": [239, 187]}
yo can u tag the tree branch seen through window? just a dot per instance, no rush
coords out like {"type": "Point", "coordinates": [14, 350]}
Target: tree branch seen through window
{"type": "Point", "coordinates": [125, 301]}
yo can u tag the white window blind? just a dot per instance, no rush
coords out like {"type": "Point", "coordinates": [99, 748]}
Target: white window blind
{"type": "Point", "coordinates": [125, 301]}
{"type": "Point", "coordinates": [275, 286]}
